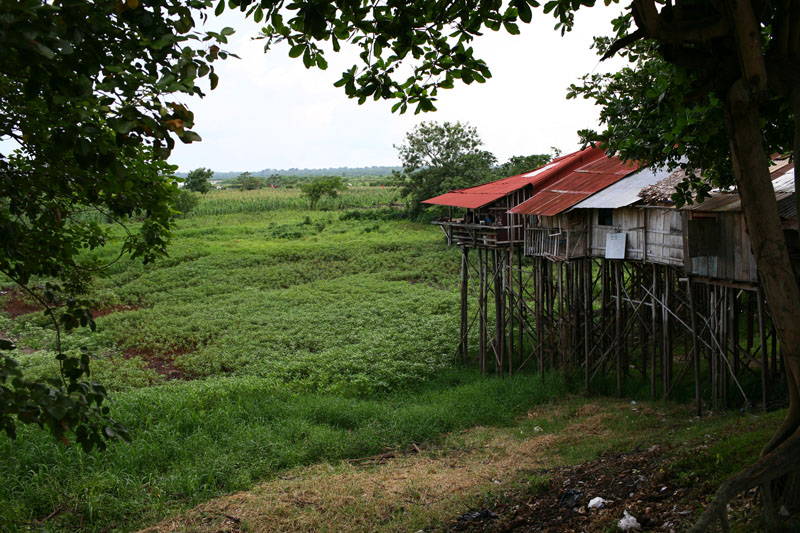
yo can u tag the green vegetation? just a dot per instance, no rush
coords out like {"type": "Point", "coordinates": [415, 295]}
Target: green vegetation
{"type": "Point", "coordinates": [267, 339]}
{"type": "Point", "coordinates": [199, 180]}
{"type": "Point", "coordinates": [273, 337]}
{"type": "Point", "coordinates": [319, 187]}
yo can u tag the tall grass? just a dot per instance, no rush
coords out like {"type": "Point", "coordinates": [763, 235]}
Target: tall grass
{"type": "Point", "coordinates": [303, 337]}
{"type": "Point", "coordinates": [234, 201]}
{"type": "Point", "coordinates": [196, 440]}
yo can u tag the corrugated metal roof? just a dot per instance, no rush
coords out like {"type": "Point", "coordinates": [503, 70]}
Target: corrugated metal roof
{"type": "Point", "coordinates": [787, 208]}
{"type": "Point", "coordinates": [480, 195]}
{"type": "Point", "coordinates": [624, 192]}
{"type": "Point", "coordinates": [575, 186]}
{"type": "Point", "coordinates": [721, 202]}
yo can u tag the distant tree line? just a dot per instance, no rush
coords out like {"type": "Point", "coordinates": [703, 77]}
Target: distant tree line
{"type": "Point", "coordinates": [344, 172]}
{"type": "Point", "coordinates": [436, 158]}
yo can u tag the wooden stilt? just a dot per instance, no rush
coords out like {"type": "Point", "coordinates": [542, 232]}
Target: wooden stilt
{"type": "Point", "coordinates": [464, 349]}
{"type": "Point", "coordinates": [618, 324]}
{"type": "Point", "coordinates": [695, 352]}
{"type": "Point", "coordinates": [499, 330]}
{"type": "Point", "coordinates": [667, 358]}
{"type": "Point", "coordinates": [510, 300]}
{"type": "Point", "coordinates": [654, 329]}
{"type": "Point", "coordinates": [762, 335]}
{"type": "Point", "coordinates": [521, 315]}
{"type": "Point", "coordinates": [587, 319]}
{"type": "Point", "coordinates": [725, 351]}
{"type": "Point", "coordinates": [482, 310]}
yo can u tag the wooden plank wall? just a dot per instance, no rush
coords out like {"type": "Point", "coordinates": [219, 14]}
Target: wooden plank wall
{"type": "Point", "coordinates": [654, 235]}
{"type": "Point", "coordinates": [719, 247]}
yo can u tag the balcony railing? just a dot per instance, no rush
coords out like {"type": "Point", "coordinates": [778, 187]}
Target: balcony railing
{"type": "Point", "coordinates": [559, 244]}
{"type": "Point", "coordinates": [480, 235]}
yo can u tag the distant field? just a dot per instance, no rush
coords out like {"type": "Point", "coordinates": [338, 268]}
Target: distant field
{"type": "Point", "coordinates": [271, 337]}
{"type": "Point", "coordinates": [225, 202]}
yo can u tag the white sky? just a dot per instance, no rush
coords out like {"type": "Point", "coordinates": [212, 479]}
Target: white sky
{"type": "Point", "coordinates": [270, 112]}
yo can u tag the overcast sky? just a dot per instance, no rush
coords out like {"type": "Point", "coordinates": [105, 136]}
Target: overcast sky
{"type": "Point", "coordinates": [269, 111]}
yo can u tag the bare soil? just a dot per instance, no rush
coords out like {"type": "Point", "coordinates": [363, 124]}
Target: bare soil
{"type": "Point", "coordinates": [163, 363]}
{"type": "Point", "coordinates": [97, 313]}
{"type": "Point", "coordinates": [636, 482]}
{"type": "Point", "coordinates": [479, 480]}
{"type": "Point", "coordinates": [15, 303]}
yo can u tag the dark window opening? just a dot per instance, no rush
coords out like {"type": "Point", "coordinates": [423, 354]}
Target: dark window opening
{"type": "Point", "coordinates": [605, 217]}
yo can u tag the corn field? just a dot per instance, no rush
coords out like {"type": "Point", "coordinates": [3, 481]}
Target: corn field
{"type": "Point", "coordinates": [237, 201]}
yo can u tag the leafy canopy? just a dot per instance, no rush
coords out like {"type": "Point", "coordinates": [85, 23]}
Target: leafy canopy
{"type": "Point", "coordinates": [439, 157]}
{"type": "Point", "coordinates": [320, 187]}
{"type": "Point", "coordinates": [409, 48]}
{"type": "Point", "coordinates": [199, 180]}
{"type": "Point", "coordinates": [247, 182]}
{"type": "Point", "coordinates": [86, 92]}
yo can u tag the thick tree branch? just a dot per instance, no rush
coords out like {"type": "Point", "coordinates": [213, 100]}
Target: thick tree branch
{"type": "Point", "coordinates": [619, 44]}
{"type": "Point", "coordinates": [657, 26]}
{"type": "Point", "coordinates": [747, 33]}
{"type": "Point", "coordinates": [766, 469]}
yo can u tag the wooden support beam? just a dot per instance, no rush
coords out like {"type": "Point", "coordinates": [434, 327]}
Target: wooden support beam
{"type": "Point", "coordinates": [762, 335]}
{"type": "Point", "coordinates": [695, 351]}
{"type": "Point", "coordinates": [482, 310]}
{"type": "Point", "coordinates": [618, 323]}
{"type": "Point", "coordinates": [654, 329]}
{"type": "Point", "coordinates": [464, 349]}
{"type": "Point", "coordinates": [587, 319]}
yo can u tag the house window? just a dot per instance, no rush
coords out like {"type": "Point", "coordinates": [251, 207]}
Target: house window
{"type": "Point", "coordinates": [605, 217]}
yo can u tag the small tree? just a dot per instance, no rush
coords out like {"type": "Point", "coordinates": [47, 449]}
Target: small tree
{"type": "Point", "coordinates": [199, 180]}
{"type": "Point", "coordinates": [247, 182]}
{"type": "Point", "coordinates": [321, 187]}
{"type": "Point", "coordinates": [439, 157]}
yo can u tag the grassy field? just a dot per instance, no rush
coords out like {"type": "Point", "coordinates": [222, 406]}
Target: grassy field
{"type": "Point", "coordinates": [271, 338]}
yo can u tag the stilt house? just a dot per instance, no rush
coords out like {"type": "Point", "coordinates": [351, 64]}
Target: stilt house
{"type": "Point", "coordinates": [622, 226]}
{"type": "Point", "coordinates": [485, 220]}
{"type": "Point", "coordinates": [552, 230]}
{"type": "Point", "coordinates": [717, 243]}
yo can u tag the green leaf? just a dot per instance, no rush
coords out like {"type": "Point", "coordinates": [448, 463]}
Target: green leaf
{"type": "Point", "coordinates": [43, 50]}
{"type": "Point", "coordinates": [220, 8]}
{"type": "Point", "coordinates": [189, 136]}
{"type": "Point", "coordinates": [6, 344]}
{"type": "Point", "coordinates": [297, 50]}
{"type": "Point", "coordinates": [525, 13]}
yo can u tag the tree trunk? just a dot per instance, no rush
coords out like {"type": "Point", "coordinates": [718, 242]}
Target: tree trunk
{"type": "Point", "coordinates": [781, 455]}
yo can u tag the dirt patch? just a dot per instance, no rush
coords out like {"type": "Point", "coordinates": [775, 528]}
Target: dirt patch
{"type": "Point", "coordinates": [163, 363]}
{"type": "Point", "coordinates": [371, 493]}
{"type": "Point", "coordinates": [103, 311]}
{"type": "Point", "coordinates": [635, 482]}
{"type": "Point", "coordinates": [479, 480]}
{"type": "Point", "coordinates": [16, 303]}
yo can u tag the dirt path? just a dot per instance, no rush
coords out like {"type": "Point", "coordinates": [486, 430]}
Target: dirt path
{"type": "Point", "coordinates": [482, 479]}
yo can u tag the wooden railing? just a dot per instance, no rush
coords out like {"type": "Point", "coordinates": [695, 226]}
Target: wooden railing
{"type": "Point", "coordinates": [480, 235]}
{"type": "Point", "coordinates": [555, 243]}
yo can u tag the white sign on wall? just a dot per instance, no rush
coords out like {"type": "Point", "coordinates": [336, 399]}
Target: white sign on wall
{"type": "Point", "coordinates": [615, 245]}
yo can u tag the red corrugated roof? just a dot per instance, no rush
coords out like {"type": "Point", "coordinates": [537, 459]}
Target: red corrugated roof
{"type": "Point", "coordinates": [480, 195]}
{"type": "Point", "coordinates": [574, 186]}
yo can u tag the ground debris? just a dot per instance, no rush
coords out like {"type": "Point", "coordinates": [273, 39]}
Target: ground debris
{"type": "Point", "coordinates": [629, 481]}
{"type": "Point", "coordinates": [470, 518]}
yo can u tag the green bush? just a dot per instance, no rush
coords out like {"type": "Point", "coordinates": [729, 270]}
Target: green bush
{"type": "Point", "coordinates": [186, 200]}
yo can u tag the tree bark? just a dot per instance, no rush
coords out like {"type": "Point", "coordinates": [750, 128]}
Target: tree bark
{"type": "Point", "coordinates": [782, 453]}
